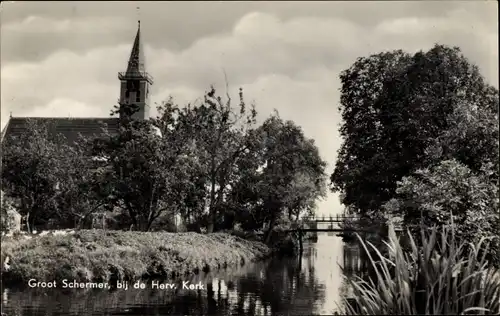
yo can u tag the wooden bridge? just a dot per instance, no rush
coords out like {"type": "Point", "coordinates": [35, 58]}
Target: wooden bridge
{"type": "Point", "coordinates": [332, 223]}
{"type": "Point", "coordinates": [335, 223]}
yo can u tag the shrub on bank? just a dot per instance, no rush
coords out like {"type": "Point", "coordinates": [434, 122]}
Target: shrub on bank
{"type": "Point", "coordinates": [97, 255]}
{"type": "Point", "coordinates": [442, 277]}
{"type": "Point", "coordinates": [281, 243]}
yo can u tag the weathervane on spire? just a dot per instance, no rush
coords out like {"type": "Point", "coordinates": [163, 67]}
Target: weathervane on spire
{"type": "Point", "coordinates": [138, 16]}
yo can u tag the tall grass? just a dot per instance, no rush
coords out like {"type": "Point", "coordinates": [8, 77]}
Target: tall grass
{"type": "Point", "coordinates": [98, 255]}
{"type": "Point", "coordinates": [441, 276]}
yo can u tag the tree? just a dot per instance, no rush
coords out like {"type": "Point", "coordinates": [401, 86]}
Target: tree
{"type": "Point", "coordinates": [472, 139]}
{"type": "Point", "coordinates": [219, 134]}
{"type": "Point", "coordinates": [32, 170]}
{"type": "Point", "coordinates": [189, 190]}
{"type": "Point", "coordinates": [84, 190]}
{"type": "Point", "coordinates": [285, 176]}
{"type": "Point", "coordinates": [463, 181]}
{"type": "Point", "coordinates": [143, 166]}
{"type": "Point", "coordinates": [394, 107]}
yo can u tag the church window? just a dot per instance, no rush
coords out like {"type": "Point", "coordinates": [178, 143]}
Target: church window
{"type": "Point", "coordinates": [133, 85]}
{"type": "Point", "coordinates": [138, 96]}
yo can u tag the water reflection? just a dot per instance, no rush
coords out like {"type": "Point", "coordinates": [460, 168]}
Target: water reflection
{"type": "Point", "coordinates": [312, 284]}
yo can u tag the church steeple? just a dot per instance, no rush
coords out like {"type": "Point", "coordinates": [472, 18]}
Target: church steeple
{"type": "Point", "coordinates": [136, 60]}
{"type": "Point", "coordinates": [135, 81]}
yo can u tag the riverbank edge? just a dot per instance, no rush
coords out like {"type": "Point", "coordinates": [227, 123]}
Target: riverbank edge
{"type": "Point", "coordinates": [111, 256]}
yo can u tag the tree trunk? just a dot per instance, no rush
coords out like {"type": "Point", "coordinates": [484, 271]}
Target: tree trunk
{"type": "Point", "coordinates": [135, 224]}
{"type": "Point", "coordinates": [301, 247]}
{"type": "Point", "coordinates": [212, 218]}
{"type": "Point", "coordinates": [132, 215]}
{"type": "Point", "coordinates": [141, 225]}
{"type": "Point", "coordinates": [31, 222]}
{"type": "Point", "coordinates": [218, 203]}
{"type": "Point", "coordinates": [149, 224]}
{"type": "Point", "coordinates": [79, 222]}
{"type": "Point", "coordinates": [27, 222]}
{"type": "Point", "coordinates": [270, 230]}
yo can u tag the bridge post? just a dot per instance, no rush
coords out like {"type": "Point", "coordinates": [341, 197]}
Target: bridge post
{"type": "Point", "coordinates": [301, 248]}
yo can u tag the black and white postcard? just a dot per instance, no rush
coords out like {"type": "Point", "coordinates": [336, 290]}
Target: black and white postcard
{"type": "Point", "coordinates": [249, 158]}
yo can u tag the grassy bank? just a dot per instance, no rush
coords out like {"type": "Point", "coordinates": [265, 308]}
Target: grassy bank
{"type": "Point", "coordinates": [95, 255]}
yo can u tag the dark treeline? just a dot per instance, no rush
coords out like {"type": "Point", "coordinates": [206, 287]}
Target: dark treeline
{"type": "Point", "coordinates": [420, 143]}
{"type": "Point", "coordinates": [420, 148]}
{"type": "Point", "coordinates": [211, 164]}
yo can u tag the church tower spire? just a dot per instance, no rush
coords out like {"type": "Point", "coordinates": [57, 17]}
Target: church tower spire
{"type": "Point", "coordinates": [135, 81]}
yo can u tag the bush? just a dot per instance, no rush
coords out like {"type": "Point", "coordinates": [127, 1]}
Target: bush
{"type": "Point", "coordinates": [450, 191]}
{"type": "Point", "coordinates": [4, 220]}
{"type": "Point", "coordinates": [10, 219]}
{"type": "Point", "coordinates": [442, 277]}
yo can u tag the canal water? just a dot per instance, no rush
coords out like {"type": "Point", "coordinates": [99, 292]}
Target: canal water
{"type": "Point", "coordinates": [312, 284]}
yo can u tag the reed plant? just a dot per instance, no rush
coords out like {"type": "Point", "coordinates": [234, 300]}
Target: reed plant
{"type": "Point", "coordinates": [440, 276]}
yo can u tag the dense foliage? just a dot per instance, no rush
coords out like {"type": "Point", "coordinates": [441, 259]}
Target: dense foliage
{"type": "Point", "coordinates": [420, 142]}
{"type": "Point", "coordinates": [402, 113]}
{"type": "Point", "coordinates": [32, 168]}
{"type": "Point", "coordinates": [210, 164]}
{"type": "Point", "coordinates": [432, 196]}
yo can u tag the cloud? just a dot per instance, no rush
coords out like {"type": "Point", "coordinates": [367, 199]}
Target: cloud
{"type": "Point", "coordinates": [73, 108]}
{"type": "Point", "coordinates": [36, 38]}
{"type": "Point", "coordinates": [90, 25]}
{"type": "Point", "coordinates": [291, 65]}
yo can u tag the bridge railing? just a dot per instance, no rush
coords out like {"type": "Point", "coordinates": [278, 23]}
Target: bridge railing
{"type": "Point", "coordinates": [330, 218]}
{"type": "Point", "coordinates": [338, 219]}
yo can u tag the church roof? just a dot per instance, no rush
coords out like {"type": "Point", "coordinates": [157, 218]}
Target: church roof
{"type": "Point", "coordinates": [70, 128]}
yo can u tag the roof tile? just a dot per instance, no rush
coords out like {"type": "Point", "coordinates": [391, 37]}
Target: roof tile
{"type": "Point", "coordinates": [70, 128]}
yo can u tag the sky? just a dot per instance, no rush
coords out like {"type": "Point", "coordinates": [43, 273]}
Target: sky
{"type": "Point", "coordinates": [62, 58]}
